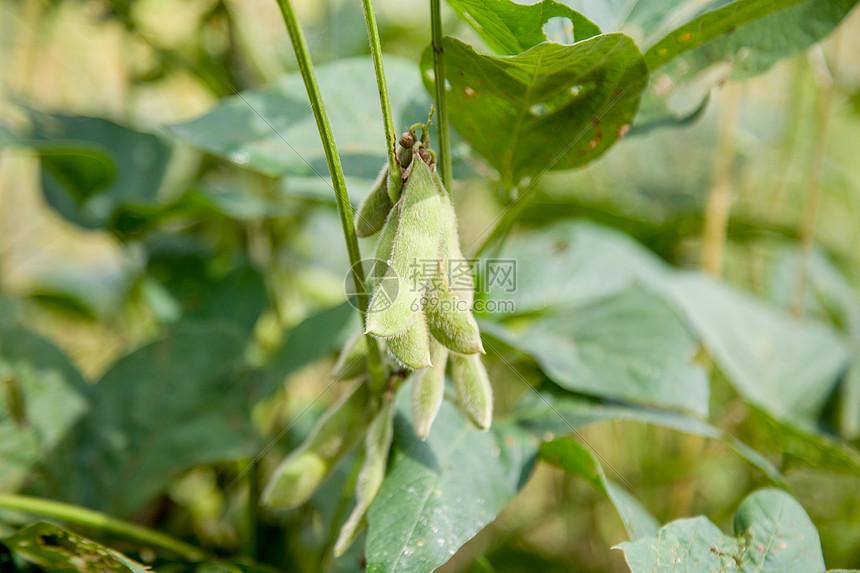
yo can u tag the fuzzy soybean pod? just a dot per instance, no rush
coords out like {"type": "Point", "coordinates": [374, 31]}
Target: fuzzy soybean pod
{"type": "Point", "coordinates": [428, 389]}
{"type": "Point", "coordinates": [449, 318]}
{"type": "Point", "coordinates": [377, 442]}
{"type": "Point", "coordinates": [372, 212]}
{"type": "Point", "coordinates": [449, 248]}
{"type": "Point", "coordinates": [473, 388]}
{"type": "Point", "coordinates": [415, 245]}
{"type": "Point", "coordinates": [299, 476]}
{"type": "Point", "coordinates": [412, 347]}
{"type": "Point", "coordinates": [352, 361]}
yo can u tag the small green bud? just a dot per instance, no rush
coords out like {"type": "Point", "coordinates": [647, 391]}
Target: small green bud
{"type": "Point", "coordinates": [302, 472]}
{"type": "Point", "coordinates": [375, 207]}
{"type": "Point", "coordinates": [412, 346]}
{"type": "Point", "coordinates": [377, 442]}
{"type": "Point", "coordinates": [428, 389]}
{"type": "Point", "coordinates": [417, 241]}
{"type": "Point", "coordinates": [352, 361]}
{"type": "Point", "coordinates": [473, 388]}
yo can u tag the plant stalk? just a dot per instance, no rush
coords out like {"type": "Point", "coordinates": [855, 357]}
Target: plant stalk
{"type": "Point", "coordinates": [719, 199]}
{"type": "Point", "coordinates": [395, 182]}
{"type": "Point", "coordinates": [344, 208]}
{"type": "Point", "coordinates": [825, 78]}
{"type": "Point", "coordinates": [444, 164]}
{"type": "Point", "coordinates": [101, 522]}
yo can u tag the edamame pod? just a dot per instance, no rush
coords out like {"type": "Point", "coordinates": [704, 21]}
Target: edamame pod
{"type": "Point", "coordinates": [352, 361]}
{"type": "Point", "coordinates": [377, 442]}
{"type": "Point", "coordinates": [473, 388]}
{"type": "Point", "coordinates": [372, 212]}
{"type": "Point", "coordinates": [415, 245]}
{"type": "Point", "coordinates": [427, 391]}
{"type": "Point", "coordinates": [456, 265]}
{"type": "Point", "coordinates": [449, 318]}
{"type": "Point", "coordinates": [299, 476]}
{"type": "Point", "coordinates": [412, 346]}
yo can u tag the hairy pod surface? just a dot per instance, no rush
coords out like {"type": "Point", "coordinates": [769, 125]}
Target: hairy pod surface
{"type": "Point", "coordinates": [449, 248]}
{"type": "Point", "coordinates": [377, 442]}
{"type": "Point", "coordinates": [449, 317]}
{"type": "Point", "coordinates": [412, 347]}
{"type": "Point", "coordinates": [372, 212]}
{"type": "Point", "coordinates": [302, 472]}
{"type": "Point", "coordinates": [385, 244]}
{"type": "Point", "coordinates": [352, 361]}
{"type": "Point", "coordinates": [428, 388]}
{"type": "Point", "coordinates": [415, 244]}
{"type": "Point", "coordinates": [473, 388]}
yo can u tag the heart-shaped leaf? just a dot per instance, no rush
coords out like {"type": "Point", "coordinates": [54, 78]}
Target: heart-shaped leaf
{"type": "Point", "coordinates": [551, 107]}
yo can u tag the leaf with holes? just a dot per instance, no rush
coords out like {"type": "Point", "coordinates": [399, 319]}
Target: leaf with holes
{"type": "Point", "coordinates": [772, 532]}
{"type": "Point", "coordinates": [55, 549]}
{"type": "Point", "coordinates": [551, 107]}
{"type": "Point", "coordinates": [510, 28]}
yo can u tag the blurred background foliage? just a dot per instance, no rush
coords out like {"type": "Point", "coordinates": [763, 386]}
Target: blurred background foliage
{"type": "Point", "coordinates": [144, 281]}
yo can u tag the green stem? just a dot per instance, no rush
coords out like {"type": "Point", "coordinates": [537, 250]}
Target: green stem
{"type": "Point", "coordinates": [444, 164]}
{"type": "Point", "coordinates": [506, 220]}
{"type": "Point", "coordinates": [394, 178]}
{"type": "Point", "coordinates": [252, 515]}
{"type": "Point", "coordinates": [344, 208]}
{"type": "Point", "coordinates": [101, 522]}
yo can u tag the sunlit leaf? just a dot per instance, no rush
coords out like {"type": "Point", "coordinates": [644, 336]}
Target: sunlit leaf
{"type": "Point", "coordinates": [273, 130]}
{"type": "Point", "coordinates": [510, 28]}
{"type": "Point", "coordinates": [552, 107]}
{"type": "Point", "coordinates": [629, 346]}
{"type": "Point", "coordinates": [772, 532]}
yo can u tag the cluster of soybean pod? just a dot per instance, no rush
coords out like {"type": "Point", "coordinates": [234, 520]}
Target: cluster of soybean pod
{"type": "Point", "coordinates": [423, 322]}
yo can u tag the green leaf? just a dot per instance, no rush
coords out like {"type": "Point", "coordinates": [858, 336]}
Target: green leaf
{"type": "Point", "coordinates": [98, 174]}
{"type": "Point", "coordinates": [317, 336]}
{"type": "Point", "coordinates": [438, 494]}
{"type": "Point", "coordinates": [628, 346]}
{"type": "Point", "coordinates": [772, 532]}
{"type": "Point", "coordinates": [42, 395]}
{"type": "Point", "coordinates": [171, 405]}
{"type": "Point", "coordinates": [691, 47]}
{"type": "Point", "coordinates": [830, 297]}
{"type": "Point", "coordinates": [785, 367]}
{"type": "Point", "coordinates": [273, 130]}
{"type": "Point", "coordinates": [510, 28]}
{"type": "Point", "coordinates": [559, 416]}
{"type": "Point", "coordinates": [238, 298]}
{"type": "Point", "coordinates": [737, 40]}
{"type": "Point", "coordinates": [570, 456]}
{"type": "Point", "coordinates": [551, 107]}
{"type": "Point", "coordinates": [809, 446]}
{"type": "Point", "coordinates": [56, 549]}
{"type": "Point", "coordinates": [570, 262]}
